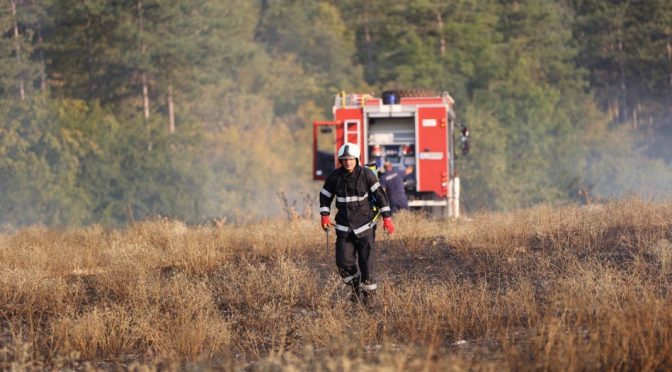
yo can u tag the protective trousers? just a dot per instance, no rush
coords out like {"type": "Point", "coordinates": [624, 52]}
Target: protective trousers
{"type": "Point", "coordinates": [352, 252]}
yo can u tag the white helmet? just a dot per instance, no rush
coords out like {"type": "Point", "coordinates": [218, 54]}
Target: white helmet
{"type": "Point", "coordinates": [348, 151]}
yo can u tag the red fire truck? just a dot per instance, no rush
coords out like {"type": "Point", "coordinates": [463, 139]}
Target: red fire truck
{"type": "Point", "coordinates": [412, 129]}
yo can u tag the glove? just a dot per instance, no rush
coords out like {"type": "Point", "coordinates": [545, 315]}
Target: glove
{"type": "Point", "coordinates": [388, 225]}
{"type": "Point", "coordinates": [326, 222]}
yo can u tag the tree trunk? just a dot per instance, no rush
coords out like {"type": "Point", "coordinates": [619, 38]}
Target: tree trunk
{"type": "Point", "coordinates": [669, 60]}
{"type": "Point", "coordinates": [43, 72]}
{"type": "Point", "coordinates": [171, 110]}
{"type": "Point", "coordinates": [145, 96]}
{"type": "Point", "coordinates": [621, 64]}
{"type": "Point", "coordinates": [89, 58]}
{"type": "Point", "coordinates": [143, 50]}
{"type": "Point", "coordinates": [22, 89]}
{"type": "Point", "coordinates": [442, 37]}
{"type": "Point", "coordinates": [367, 38]}
{"type": "Point", "coordinates": [129, 211]}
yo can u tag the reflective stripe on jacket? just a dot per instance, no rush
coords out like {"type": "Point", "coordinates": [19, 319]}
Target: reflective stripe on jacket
{"type": "Point", "coordinates": [353, 192]}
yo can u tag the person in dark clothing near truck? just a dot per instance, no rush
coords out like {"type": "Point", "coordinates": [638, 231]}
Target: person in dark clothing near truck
{"type": "Point", "coordinates": [355, 189]}
{"type": "Point", "coordinates": [393, 183]}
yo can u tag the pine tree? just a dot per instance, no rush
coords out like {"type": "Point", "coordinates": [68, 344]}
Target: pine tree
{"type": "Point", "coordinates": [316, 35]}
{"type": "Point", "coordinates": [536, 97]}
{"type": "Point", "coordinates": [21, 70]}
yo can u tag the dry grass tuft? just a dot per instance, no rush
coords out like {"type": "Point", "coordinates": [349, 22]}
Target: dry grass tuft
{"type": "Point", "coordinates": [553, 288]}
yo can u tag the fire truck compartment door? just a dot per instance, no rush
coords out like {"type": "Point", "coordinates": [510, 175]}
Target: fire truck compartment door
{"type": "Point", "coordinates": [432, 150]}
{"type": "Point", "coordinates": [324, 148]}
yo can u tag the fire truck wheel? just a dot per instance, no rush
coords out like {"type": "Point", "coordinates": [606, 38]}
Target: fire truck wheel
{"type": "Point", "coordinates": [413, 92]}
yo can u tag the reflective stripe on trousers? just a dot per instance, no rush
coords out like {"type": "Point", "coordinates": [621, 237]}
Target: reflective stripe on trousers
{"type": "Point", "coordinates": [368, 287]}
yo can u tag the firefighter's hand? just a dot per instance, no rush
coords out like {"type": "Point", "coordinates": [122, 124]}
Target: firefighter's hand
{"type": "Point", "coordinates": [388, 225]}
{"type": "Point", "coordinates": [326, 222]}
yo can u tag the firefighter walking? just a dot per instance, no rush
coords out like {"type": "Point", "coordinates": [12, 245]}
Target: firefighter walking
{"type": "Point", "coordinates": [356, 190]}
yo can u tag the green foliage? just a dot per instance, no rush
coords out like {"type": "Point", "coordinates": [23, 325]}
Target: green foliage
{"type": "Point", "coordinates": [627, 48]}
{"type": "Point", "coordinates": [65, 162]}
{"type": "Point", "coordinates": [315, 32]}
{"type": "Point", "coordinates": [560, 96]}
{"type": "Point", "coordinates": [527, 98]}
{"type": "Point", "coordinates": [19, 73]}
{"type": "Point", "coordinates": [484, 172]}
{"type": "Point", "coordinates": [40, 163]}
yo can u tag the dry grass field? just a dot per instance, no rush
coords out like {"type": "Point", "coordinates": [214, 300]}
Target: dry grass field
{"type": "Point", "coordinates": [550, 288]}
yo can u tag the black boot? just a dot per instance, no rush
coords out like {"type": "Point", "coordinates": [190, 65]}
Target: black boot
{"type": "Point", "coordinates": [356, 294]}
{"type": "Point", "coordinates": [352, 281]}
{"type": "Point", "coordinates": [368, 294]}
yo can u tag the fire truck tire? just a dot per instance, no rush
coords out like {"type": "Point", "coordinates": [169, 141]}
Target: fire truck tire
{"type": "Point", "coordinates": [413, 92]}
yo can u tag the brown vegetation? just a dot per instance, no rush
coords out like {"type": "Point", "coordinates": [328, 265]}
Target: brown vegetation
{"type": "Point", "coordinates": [553, 288]}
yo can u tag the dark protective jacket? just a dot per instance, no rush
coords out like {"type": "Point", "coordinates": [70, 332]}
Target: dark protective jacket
{"type": "Point", "coordinates": [393, 182]}
{"type": "Point", "coordinates": [352, 192]}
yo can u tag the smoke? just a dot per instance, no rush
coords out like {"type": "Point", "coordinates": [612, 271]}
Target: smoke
{"type": "Point", "coordinates": [621, 168]}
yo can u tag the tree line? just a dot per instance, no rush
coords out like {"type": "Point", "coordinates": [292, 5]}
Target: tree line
{"type": "Point", "coordinates": [119, 110]}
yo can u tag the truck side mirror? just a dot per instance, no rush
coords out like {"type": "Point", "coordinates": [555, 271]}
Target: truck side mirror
{"type": "Point", "coordinates": [465, 140]}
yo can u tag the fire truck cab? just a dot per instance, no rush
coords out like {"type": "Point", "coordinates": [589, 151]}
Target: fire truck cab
{"type": "Point", "coordinates": [413, 130]}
